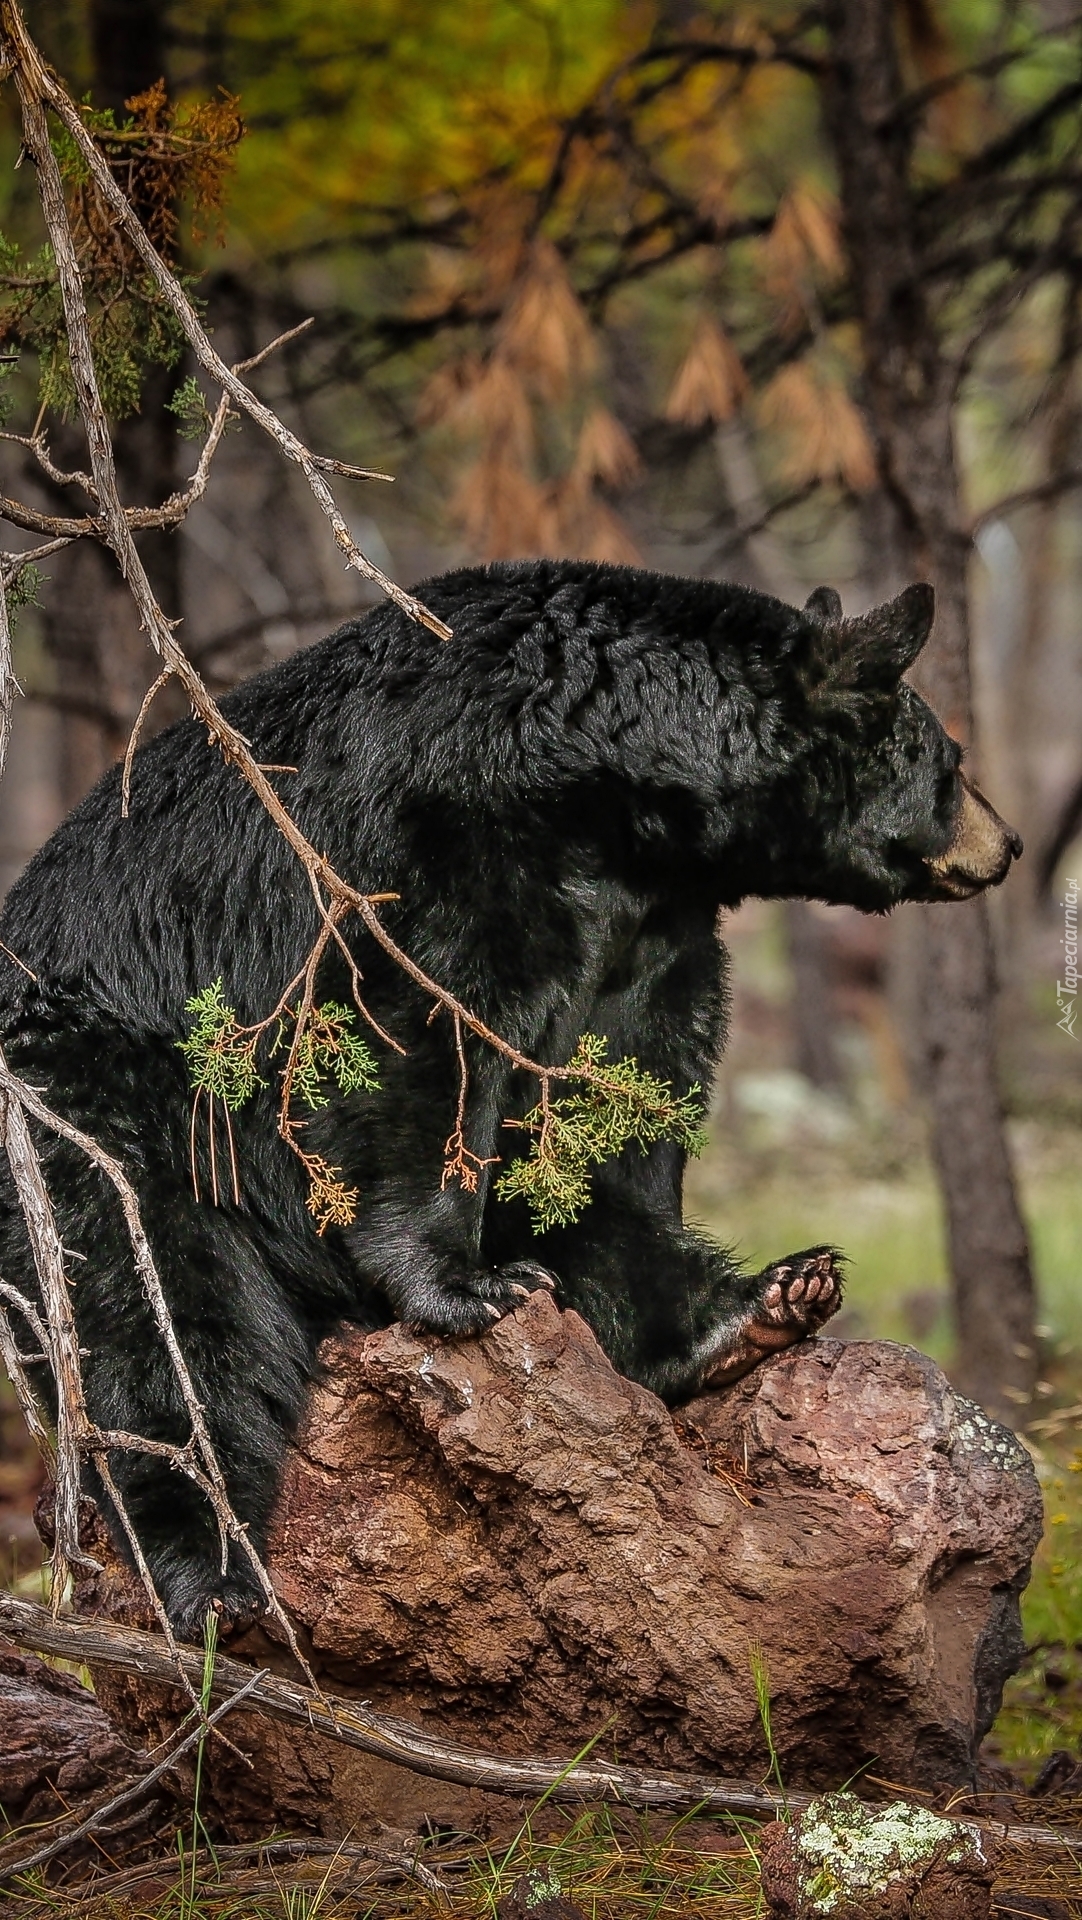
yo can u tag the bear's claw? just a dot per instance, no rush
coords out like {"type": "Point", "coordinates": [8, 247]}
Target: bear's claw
{"type": "Point", "coordinates": [798, 1295]}
{"type": "Point", "coordinates": [477, 1302]}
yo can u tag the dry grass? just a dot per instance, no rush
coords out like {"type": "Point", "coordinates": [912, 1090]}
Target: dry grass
{"type": "Point", "coordinates": [609, 1863]}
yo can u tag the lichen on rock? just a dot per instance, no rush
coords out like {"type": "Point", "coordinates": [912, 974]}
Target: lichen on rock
{"type": "Point", "coordinates": [848, 1848]}
{"type": "Point", "coordinates": [842, 1859]}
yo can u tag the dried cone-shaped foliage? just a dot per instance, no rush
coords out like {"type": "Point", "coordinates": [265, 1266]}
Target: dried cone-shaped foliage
{"type": "Point", "coordinates": [545, 333]}
{"type": "Point", "coordinates": [444, 393]}
{"type": "Point", "coordinates": [607, 538]}
{"type": "Point", "coordinates": [711, 382]}
{"type": "Point", "coordinates": [496, 408]}
{"type": "Point", "coordinates": [586, 528]}
{"type": "Point", "coordinates": [503, 512]}
{"type": "Point", "coordinates": [803, 243]}
{"type": "Point", "coordinates": [544, 349]}
{"type": "Point", "coordinates": [822, 430]}
{"type": "Point", "coordinates": [606, 451]}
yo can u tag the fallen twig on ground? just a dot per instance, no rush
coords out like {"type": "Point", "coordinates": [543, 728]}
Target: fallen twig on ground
{"type": "Point", "coordinates": [99, 1814]}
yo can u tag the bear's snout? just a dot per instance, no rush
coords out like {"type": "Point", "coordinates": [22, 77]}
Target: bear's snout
{"type": "Point", "coordinates": [980, 852]}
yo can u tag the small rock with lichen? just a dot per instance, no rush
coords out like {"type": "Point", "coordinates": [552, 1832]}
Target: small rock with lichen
{"type": "Point", "coordinates": [844, 1860]}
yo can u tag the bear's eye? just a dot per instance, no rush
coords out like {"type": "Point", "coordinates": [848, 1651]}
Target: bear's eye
{"type": "Point", "coordinates": [948, 782]}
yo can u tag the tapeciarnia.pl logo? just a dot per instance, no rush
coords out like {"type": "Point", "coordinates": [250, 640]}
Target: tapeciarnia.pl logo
{"type": "Point", "coordinates": [1067, 988]}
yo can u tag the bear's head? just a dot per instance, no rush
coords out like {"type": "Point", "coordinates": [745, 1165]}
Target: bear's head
{"type": "Point", "coordinates": [890, 815]}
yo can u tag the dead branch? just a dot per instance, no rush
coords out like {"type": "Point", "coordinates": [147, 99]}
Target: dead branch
{"type": "Point", "coordinates": [1050, 489]}
{"type": "Point", "coordinates": [13, 563]}
{"type": "Point", "coordinates": [98, 1815]}
{"type": "Point", "coordinates": [149, 698]}
{"type": "Point", "coordinates": [226, 1864]}
{"type": "Point", "coordinates": [72, 1423]}
{"type": "Point", "coordinates": [197, 1459]}
{"type": "Point", "coordinates": [37, 85]}
{"type": "Point", "coordinates": [350, 1722]}
{"type": "Point", "coordinates": [459, 1162]}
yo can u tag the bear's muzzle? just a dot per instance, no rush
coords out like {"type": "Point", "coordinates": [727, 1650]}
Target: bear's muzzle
{"type": "Point", "coordinates": [980, 853]}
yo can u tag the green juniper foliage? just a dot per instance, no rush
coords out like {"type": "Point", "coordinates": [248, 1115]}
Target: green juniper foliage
{"type": "Point", "coordinates": [190, 406]}
{"type": "Point", "coordinates": [328, 1045]}
{"type": "Point", "coordinates": [220, 1054]}
{"type": "Point", "coordinates": [24, 586]}
{"type": "Point", "coordinates": [618, 1102]}
{"type": "Point", "coordinates": [623, 1103]}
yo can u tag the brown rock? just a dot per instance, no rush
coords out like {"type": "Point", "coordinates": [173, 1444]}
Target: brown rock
{"type": "Point", "coordinates": [506, 1540]}
{"type": "Point", "coordinates": [537, 1895]}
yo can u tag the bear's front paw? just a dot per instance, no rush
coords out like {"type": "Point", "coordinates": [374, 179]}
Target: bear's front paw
{"type": "Point", "coordinates": [796, 1296]}
{"type": "Point", "coordinates": [470, 1303]}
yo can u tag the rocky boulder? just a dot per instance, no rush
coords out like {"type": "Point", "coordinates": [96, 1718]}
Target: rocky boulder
{"type": "Point", "coordinates": [504, 1539]}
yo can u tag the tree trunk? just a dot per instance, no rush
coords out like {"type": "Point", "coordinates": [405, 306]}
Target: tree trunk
{"type": "Point", "coordinates": [815, 1048]}
{"type": "Point", "coordinates": [103, 664]}
{"type": "Point", "coordinates": [911, 393]}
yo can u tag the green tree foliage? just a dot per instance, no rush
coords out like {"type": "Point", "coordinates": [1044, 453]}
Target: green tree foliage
{"type": "Point", "coordinates": [328, 1048]}
{"type": "Point", "coordinates": [619, 1106]}
{"type": "Point", "coordinates": [219, 1052]}
{"type": "Point", "coordinates": [323, 1045]}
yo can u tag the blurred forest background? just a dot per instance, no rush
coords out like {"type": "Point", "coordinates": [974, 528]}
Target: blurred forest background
{"type": "Point", "coordinates": [599, 280]}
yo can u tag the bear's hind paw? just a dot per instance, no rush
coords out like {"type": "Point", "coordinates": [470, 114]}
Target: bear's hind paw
{"type": "Point", "coordinates": [796, 1297]}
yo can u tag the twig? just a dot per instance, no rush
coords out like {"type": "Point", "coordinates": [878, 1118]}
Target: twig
{"type": "Point", "coordinates": [1050, 489]}
{"type": "Point", "coordinates": [207, 1474]}
{"type": "Point", "coordinates": [72, 1422]}
{"type": "Point", "coordinates": [149, 698]}
{"type": "Point", "coordinates": [39, 447]}
{"type": "Point", "coordinates": [105, 1475]}
{"type": "Point", "coordinates": [459, 1163]}
{"type": "Point", "coordinates": [96, 1643]}
{"type": "Point", "coordinates": [15, 1369]}
{"type": "Point", "coordinates": [104, 1812]}
{"type": "Point", "coordinates": [13, 563]}
{"type": "Point", "coordinates": [385, 1861]}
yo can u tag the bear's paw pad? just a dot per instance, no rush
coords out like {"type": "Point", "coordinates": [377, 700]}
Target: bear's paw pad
{"type": "Point", "coordinates": [796, 1297]}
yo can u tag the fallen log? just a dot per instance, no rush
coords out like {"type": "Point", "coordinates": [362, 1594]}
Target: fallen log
{"type": "Point", "coordinates": [56, 1744]}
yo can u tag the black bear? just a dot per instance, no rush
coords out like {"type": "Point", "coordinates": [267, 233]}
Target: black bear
{"type": "Point", "coordinates": [561, 797]}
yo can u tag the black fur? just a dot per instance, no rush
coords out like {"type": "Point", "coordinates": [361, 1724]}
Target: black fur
{"type": "Point", "coordinates": [563, 796]}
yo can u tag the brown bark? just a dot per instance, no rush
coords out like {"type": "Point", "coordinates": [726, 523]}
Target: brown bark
{"type": "Point", "coordinates": [57, 1745]}
{"type": "Point", "coordinates": [102, 659]}
{"type": "Point", "coordinates": [814, 1014]}
{"type": "Point", "coordinates": [911, 392]}
{"type": "Point", "coordinates": [504, 1540]}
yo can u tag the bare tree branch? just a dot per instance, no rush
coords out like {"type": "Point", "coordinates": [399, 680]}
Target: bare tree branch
{"type": "Point", "coordinates": [354, 1725]}
{"type": "Point", "coordinates": [36, 85]}
{"type": "Point", "coordinates": [1051, 489]}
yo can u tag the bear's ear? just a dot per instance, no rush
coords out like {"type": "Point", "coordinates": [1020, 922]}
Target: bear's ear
{"type": "Point", "coordinates": [824, 606]}
{"type": "Point", "coordinates": [868, 655]}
